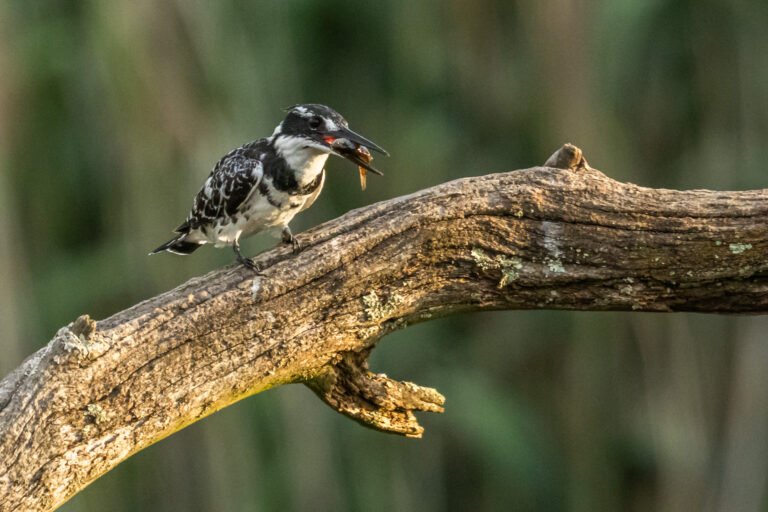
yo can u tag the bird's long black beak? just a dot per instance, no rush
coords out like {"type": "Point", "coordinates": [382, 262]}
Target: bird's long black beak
{"type": "Point", "coordinates": [346, 133]}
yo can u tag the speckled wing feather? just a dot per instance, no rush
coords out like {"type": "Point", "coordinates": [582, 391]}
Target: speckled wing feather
{"type": "Point", "coordinates": [232, 180]}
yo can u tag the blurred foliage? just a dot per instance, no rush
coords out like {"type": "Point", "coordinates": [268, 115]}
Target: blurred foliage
{"type": "Point", "coordinates": [112, 113]}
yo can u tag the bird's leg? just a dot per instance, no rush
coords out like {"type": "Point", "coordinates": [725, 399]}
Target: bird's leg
{"type": "Point", "coordinates": [247, 262]}
{"type": "Point", "coordinates": [288, 238]}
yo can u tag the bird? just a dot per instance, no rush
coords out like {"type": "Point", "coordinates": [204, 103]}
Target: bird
{"type": "Point", "coordinates": [263, 184]}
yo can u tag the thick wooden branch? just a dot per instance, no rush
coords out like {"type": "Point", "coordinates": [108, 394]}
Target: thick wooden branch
{"type": "Point", "coordinates": [568, 238]}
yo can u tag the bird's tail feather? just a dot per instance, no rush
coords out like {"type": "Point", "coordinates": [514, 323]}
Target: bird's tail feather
{"type": "Point", "coordinates": [178, 246]}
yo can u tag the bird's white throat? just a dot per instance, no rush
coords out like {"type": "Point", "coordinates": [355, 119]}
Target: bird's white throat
{"type": "Point", "coordinates": [306, 161]}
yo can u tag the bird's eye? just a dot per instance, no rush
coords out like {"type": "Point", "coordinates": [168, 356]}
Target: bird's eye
{"type": "Point", "coordinates": [315, 122]}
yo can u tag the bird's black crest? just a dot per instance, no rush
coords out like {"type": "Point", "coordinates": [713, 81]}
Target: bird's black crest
{"type": "Point", "coordinates": [299, 115]}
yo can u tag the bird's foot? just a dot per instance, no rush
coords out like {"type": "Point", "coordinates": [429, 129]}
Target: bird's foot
{"type": "Point", "coordinates": [251, 265]}
{"type": "Point", "coordinates": [246, 262]}
{"type": "Point", "coordinates": [288, 238]}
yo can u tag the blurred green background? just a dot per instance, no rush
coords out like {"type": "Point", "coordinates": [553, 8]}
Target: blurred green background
{"type": "Point", "coordinates": [113, 112]}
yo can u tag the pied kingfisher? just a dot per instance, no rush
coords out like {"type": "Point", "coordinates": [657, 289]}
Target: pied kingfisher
{"type": "Point", "coordinates": [265, 183]}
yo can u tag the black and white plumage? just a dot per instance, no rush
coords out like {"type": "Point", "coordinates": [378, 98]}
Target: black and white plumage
{"type": "Point", "coordinates": [264, 184]}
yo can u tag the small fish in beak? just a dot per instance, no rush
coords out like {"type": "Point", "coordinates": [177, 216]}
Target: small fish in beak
{"type": "Point", "coordinates": [356, 153]}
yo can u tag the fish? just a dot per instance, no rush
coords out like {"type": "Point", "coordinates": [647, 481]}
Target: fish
{"type": "Point", "coordinates": [357, 153]}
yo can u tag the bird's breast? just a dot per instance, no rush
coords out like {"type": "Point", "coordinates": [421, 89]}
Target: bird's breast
{"type": "Point", "coordinates": [270, 207]}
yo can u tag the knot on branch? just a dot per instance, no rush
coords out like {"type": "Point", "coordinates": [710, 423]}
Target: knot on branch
{"type": "Point", "coordinates": [78, 341]}
{"type": "Point", "coordinates": [373, 399]}
{"type": "Point", "coordinates": [568, 157]}
{"type": "Point", "coordinates": [83, 326]}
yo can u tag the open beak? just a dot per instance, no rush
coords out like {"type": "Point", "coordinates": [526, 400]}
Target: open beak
{"type": "Point", "coordinates": [346, 150]}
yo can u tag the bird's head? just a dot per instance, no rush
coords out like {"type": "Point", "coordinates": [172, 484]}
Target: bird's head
{"type": "Point", "coordinates": [319, 127]}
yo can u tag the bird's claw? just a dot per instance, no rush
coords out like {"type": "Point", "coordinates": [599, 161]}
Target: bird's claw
{"type": "Point", "coordinates": [246, 262]}
{"type": "Point", "coordinates": [251, 265]}
{"type": "Point", "coordinates": [288, 238]}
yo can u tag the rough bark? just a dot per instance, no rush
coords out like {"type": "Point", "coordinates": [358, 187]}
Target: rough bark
{"type": "Point", "coordinates": [567, 238]}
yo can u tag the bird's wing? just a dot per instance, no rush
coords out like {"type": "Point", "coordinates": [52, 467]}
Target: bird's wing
{"type": "Point", "coordinates": [230, 183]}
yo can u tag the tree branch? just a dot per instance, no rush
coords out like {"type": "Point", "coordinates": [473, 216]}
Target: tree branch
{"type": "Point", "coordinates": [542, 238]}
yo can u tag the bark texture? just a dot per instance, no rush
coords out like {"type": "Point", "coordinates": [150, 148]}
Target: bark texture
{"type": "Point", "coordinates": [554, 238]}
